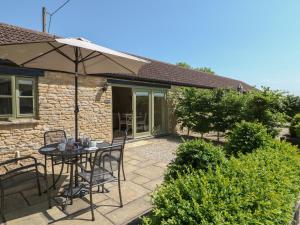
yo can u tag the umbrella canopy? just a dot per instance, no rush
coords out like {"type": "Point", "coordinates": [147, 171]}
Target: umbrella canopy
{"type": "Point", "coordinates": [60, 55]}
{"type": "Point", "coordinates": [71, 55]}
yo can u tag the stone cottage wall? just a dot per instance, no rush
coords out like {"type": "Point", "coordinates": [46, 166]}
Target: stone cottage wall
{"type": "Point", "coordinates": [172, 120]}
{"type": "Point", "coordinates": [56, 111]}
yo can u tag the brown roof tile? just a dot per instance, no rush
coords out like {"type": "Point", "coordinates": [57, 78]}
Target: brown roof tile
{"type": "Point", "coordinates": [155, 71]}
{"type": "Point", "coordinates": [10, 34]}
{"type": "Point", "coordinates": [176, 74]}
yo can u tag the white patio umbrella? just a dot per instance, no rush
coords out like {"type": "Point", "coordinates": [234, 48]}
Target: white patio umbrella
{"type": "Point", "coordinates": [71, 55]}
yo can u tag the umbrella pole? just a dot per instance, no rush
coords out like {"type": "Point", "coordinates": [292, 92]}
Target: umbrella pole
{"type": "Point", "coordinates": [76, 94]}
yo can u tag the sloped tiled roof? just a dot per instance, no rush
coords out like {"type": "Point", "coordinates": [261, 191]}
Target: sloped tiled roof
{"type": "Point", "coordinates": [155, 71]}
{"type": "Point", "coordinates": [10, 34]}
{"type": "Point", "coordinates": [166, 73]}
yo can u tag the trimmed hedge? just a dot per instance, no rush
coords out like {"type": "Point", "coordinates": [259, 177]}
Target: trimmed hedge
{"type": "Point", "coordinates": [245, 137]}
{"type": "Point", "coordinates": [257, 188]}
{"type": "Point", "coordinates": [195, 154]}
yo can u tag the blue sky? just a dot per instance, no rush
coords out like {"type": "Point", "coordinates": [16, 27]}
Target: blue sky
{"type": "Point", "coordinates": [254, 41]}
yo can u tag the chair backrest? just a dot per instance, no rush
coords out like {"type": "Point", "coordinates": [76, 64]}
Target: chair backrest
{"type": "Point", "coordinates": [129, 118]}
{"type": "Point", "coordinates": [54, 136]}
{"type": "Point", "coordinates": [119, 138]}
{"type": "Point", "coordinates": [108, 159]}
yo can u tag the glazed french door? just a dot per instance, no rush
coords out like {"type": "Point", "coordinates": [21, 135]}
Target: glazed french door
{"type": "Point", "coordinates": [149, 112]}
{"type": "Point", "coordinates": [142, 112]}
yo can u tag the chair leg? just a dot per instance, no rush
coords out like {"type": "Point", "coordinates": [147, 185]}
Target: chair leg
{"type": "Point", "coordinates": [2, 205]}
{"type": "Point", "coordinates": [47, 186]}
{"type": "Point", "coordinates": [38, 182]}
{"type": "Point", "coordinates": [91, 204]}
{"type": "Point", "coordinates": [53, 177]}
{"type": "Point", "coordinates": [123, 169]}
{"type": "Point", "coordinates": [119, 186]}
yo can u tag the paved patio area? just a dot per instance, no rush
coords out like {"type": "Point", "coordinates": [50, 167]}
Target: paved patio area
{"type": "Point", "coordinates": [145, 163]}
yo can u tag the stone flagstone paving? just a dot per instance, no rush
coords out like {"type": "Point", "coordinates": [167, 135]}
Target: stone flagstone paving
{"type": "Point", "coordinates": [145, 162]}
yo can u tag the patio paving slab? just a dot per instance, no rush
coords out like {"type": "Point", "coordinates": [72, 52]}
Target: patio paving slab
{"type": "Point", "coordinates": [130, 192]}
{"type": "Point", "coordinates": [153, 184]}
{"type": "Point", "coordinates": [140, 179]}
{"type": "Point", "coordinates": [144, 163]}
{"type": "Point", "coordinates": [134, 162]}
{"type": "Point", "coordinates": [150, 172]}
{"type": "Point", "coordinates": [131, 210]}
{"type": "Point", "coordinates": [107, 206]}
{"type": "Point", "coordinates": [36, 218]}
{"type": "Point", "coordinates": [85, 218]}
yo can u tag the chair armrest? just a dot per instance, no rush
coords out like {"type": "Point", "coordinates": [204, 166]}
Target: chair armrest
{"type": "Point", "coordinates": [22, 170]}
{"type": "Point", "coordinates": [102, 149]}
{"type": "Point", "coordinates": [18, 159]}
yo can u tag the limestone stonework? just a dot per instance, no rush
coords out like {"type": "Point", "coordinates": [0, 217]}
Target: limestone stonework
{"type": "Point", "coordinates": [55, 100]}
{"type": "Point", "coordinates": [172, 120]}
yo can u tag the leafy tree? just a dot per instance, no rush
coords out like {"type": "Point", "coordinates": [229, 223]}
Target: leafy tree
{"type": "Point", "coordinates": [292, 105]}
{"type": "Point", "coordinates": [185, 108]}
{"type": "Point", "coordinates": [226, 110]}
{"type": "Point", "coordinates": [202, 123]}
{"type": "Point", "coordinates": [201, 69]}
{"type": "Point", "coordinates": [295, 126]}
{"type": "Point", "coordinates": [266, 107]}
{"type": "Point", "coordinates": [205, 70]}
{"type": "Point", "coordinates": [184, 65]}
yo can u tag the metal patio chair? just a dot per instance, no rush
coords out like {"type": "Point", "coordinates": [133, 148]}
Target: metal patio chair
{"type": "Point", "coordinates": [104, 163]}
{"type": "Point", "coordinates": [120, 139]}
{"type": "Point", "coordinates": [54, 137]}
{"type": "Point", "coordinates": [23, 167]}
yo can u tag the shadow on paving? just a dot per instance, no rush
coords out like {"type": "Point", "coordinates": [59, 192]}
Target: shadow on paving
{"type": "Point", "coordinates": [139, 220]}
{"type": "Point", "coordinates": [22, 199]}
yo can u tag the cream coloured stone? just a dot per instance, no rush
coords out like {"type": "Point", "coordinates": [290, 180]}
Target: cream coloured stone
{"type": "Point", "coordinates": [56, 111]}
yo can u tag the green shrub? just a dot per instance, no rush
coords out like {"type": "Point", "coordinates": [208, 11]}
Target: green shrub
{"type": "Point", "coordinates": [257, 188]}
{"type": "Point", "coordinates": [246, 137]}
{"type": "Point", "coordinates": [297, 130]}
{"type": "Point", "coordinates": [292, 105]}
{"type": "Point", "coordinates": [295, 123]}
{"type": "Point", "coordinates": [266, 107]}
{"type": "Point", "coordinates": [195, 154]}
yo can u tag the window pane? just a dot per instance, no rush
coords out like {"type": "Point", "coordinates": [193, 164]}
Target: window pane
{"type": "Point", "coordinates": [5, 86]}
{"type": "Point", "coordinates": [5, 106]}
{"type": "Point", "coordinates": [159, 94]}
{"type": "Point", "coordinates": [142, 112]}
{"type": "Point", "coordinates": [25, 87]}
{"type": "Point", "coordinates": [142, 93]}
{"type": "Point", "coordinates": [26, 105]}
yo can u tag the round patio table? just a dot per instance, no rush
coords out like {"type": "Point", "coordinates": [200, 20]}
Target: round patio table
{"type": "Point", "coordinates": [71, 157]}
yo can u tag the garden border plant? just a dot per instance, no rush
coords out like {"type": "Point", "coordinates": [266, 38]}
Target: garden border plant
{"type": "Point", "coordinates": [257, 188]}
